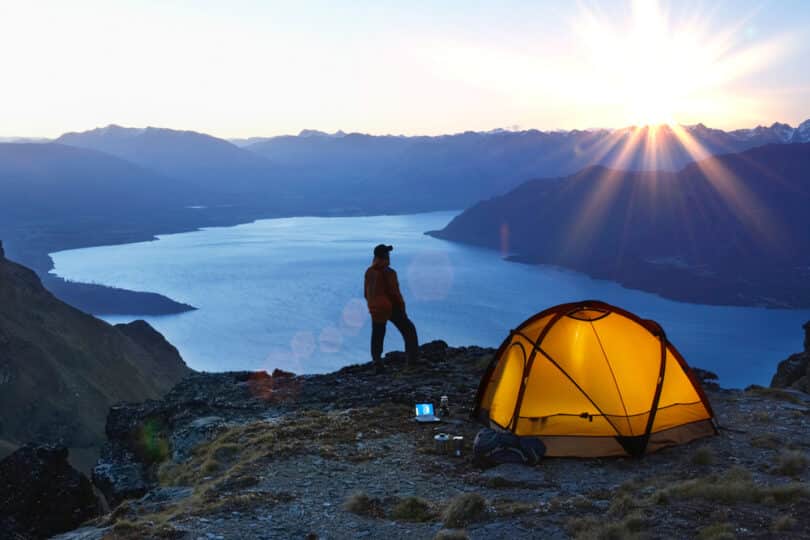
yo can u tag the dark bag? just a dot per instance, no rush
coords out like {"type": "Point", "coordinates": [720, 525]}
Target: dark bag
{"type": "Point", "coordinates": [495, 447]}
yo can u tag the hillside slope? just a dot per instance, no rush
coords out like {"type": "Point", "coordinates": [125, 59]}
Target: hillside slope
{"type": "Point", "coordinates": [61, 369]}
{"type": "Point", "coordinates": [732, 229]}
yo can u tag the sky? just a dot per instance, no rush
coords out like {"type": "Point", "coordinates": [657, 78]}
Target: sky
{"type": "Point", "coordinates": [240, 68]}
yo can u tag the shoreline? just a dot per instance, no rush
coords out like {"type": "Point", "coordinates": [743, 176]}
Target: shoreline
{"type": "Point", "coordinates": [107, 300]}
{"type": "Point", "coordinates": [652, 273]}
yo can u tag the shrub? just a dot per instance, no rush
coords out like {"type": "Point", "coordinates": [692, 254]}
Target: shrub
{"type": "Point", "coordinates": [591, 527]}
{"type": "Point", "coordinates": [703, 456]}
{"type": "Point", "coordinates": [412, 509]}
{"type": "Point", "coordinates": [361, 504]}
{"type": "Point", "coordinates": [783, 523]}
{"type": "Point", "coordinates": [791, 462]}
{"type": "Point", "coordinates": [737, 486]}
{"type": "Point", "coordinates": [717, 531]}
{"type": "Point", "coordinates": [621, 505]}
{"type": "Point", "coordinates": [463, 510]}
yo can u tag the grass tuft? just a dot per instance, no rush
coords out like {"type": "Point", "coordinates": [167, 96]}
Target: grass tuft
{"type": "Point", "coordinates": [451, 534]}
{"type": "Point", "coordinates": [736, 486]}
{"type": "Point", "coordinates": [412, 509]}
{"type": "Point", "coordinates": [463, 510]}
{"type": "Point", "coordinates": [591, 527]}
{"type": "Point", "coordinates": [773, 393]}
{"type": "Point", "coordinates": [783, 523]}
{"type": "Point", "coordinates": [766, 440]}
{"type": "Point", "coordinates": [621, 505]}
{"type": "Point", "coordinates": [510, 508]}
{"type": "Point", "coordinates": [791, 463]}
{"type": "Point", "coordinates": [703, 456]}
{"type": "Point", "coordinates": [717, 531]}
{"type": "Point", "coordinates": [361, 504]}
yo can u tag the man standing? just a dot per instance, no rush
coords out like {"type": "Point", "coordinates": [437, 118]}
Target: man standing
{"type": "Point", "coordinates": [385, 303]}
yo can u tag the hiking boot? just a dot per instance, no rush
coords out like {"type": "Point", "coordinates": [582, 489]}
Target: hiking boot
{"type": "Point", "coordinates": [379, 368]}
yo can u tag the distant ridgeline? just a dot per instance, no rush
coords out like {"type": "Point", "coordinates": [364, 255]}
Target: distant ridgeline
{"type": "Point", "coordinates": [115, 185]}
{"type": "Point", "coordinates": [732, 229]}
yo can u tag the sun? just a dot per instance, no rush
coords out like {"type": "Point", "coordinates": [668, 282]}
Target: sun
{"type": "Point", "coordinates": [654, 68]}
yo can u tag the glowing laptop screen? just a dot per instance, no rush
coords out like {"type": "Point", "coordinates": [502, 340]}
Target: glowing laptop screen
{"type": "Point", "coordinates": [424, 409]}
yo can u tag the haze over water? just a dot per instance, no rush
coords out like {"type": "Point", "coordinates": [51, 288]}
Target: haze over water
{"type": "Point", "coordinates": [287, 293]}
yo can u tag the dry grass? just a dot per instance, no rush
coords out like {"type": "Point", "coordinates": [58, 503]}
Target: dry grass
{"type": "Point", "coordinates": [622, 505]}
{"type": "Point", "coordinates": [413, 509]}
{"type": "Point", "coordinates": [703, 456]}
{"type": "Point", "coordinates": [791, 463]}
{"type": "Point", "coordinates": [762, 417]}
{"type": "Point", "coordinates": [591, 527]}
{"type": "Point", "coordinates": [463, 510]}
{"type": "Point", "coordinates": [361, 504]}
{"type": "Point", "coordinates": [213, 502]}
{"type": "Point", "coordinates": [223, 471]}
{"type": "Point", "coordinates": [736, 486]}
{"type": "Point", "coordinates": [250, 446]}
{"type": "Point", "coordinates": [773, 393]}
{"type": "Point", "coordinates": [783, 523]}
{"type": "Point", "coordinates": [131, 530]}
{"type": "Point", "coordinates": [717, 531]}
{"type": "Point", "coordinates": [766, 440]}
{"type": "Point", "coordinates": [510, 508]}
{"type": "Point", "coordinates": [451, 534]}
{"type": "Point", "coordinates": [581, 502]}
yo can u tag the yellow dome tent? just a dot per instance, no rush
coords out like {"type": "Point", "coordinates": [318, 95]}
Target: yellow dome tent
{"type": "Point", "coordinates": [590, 379]}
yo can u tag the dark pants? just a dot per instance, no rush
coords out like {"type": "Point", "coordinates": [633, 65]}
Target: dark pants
{"type": "Point", "coordinates": [405, 327]}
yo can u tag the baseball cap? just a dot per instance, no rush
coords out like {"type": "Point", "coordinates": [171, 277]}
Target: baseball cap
{"type": "Point", "coordinates": [381, 250]}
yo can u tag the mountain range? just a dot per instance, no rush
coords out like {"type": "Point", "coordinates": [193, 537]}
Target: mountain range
{"type": "Point", "coordinates": [729, 229]}
{"type": "Point", "coordinates": [317, 172]}
{"type": "Point", "coordinates": [114, 184]}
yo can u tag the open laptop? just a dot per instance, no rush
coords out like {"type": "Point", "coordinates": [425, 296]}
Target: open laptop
{"type": "Point", "coordinates": [424, 413]}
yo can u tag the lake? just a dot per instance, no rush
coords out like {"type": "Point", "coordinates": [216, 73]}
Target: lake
{"type": "Point", "coordinates": [287, 293]}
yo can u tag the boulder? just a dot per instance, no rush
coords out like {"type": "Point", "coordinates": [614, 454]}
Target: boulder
{"type": "Point", "coordinates": [41, 494]}
{"type": "Point", "coordinates": [794, 372]}
{"type": "Point", "coordinates": [434, 351]}
{"type": "Point", "coordinates": [515, 475]}
{"type": "Point", "coordinates": [120, 479]}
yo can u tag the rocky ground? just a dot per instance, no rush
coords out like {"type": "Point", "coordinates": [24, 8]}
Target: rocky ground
{"type": "Point", "coordinates": [242, 455]}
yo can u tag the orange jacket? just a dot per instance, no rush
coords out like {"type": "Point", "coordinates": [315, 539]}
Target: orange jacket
{"type": "Point", "coordinates": [382, 294]}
